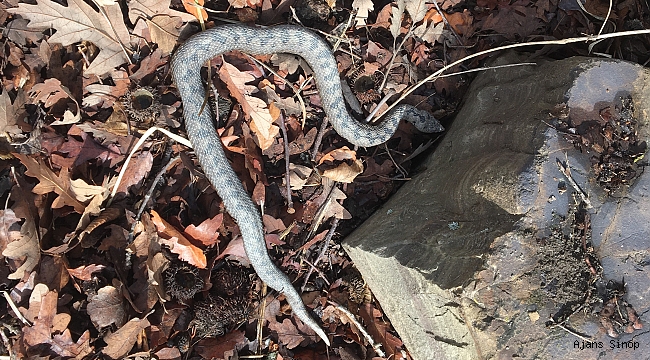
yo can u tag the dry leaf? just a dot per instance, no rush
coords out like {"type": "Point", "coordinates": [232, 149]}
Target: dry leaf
{"type": "Point", "coordinates": [207, 232]}
{"type": "Point", "coordinates": [25, 245]}
{"type": "Point", "coordinates": [363, 7]}
{"type": "Point", "coordinates": [48, 182]}
{"type": "Point", "coordinates": [417, 9]}
{"type": "Point", "coordinates": [80, 22]}
{"type": "Point", "coordinates": [298, 176]}
{"type": "Point", "coordinates": [343, 172]}
{"type": "Point", "coordinates": [106, 308]}
{"type": "Point", "coordinates": [121, 342]}
{"type": "Point", "coordinates": [48, 92]}
{"type": "Point", "coordinates": [396, 16]}
{"type": "Point", "coordinates": [47, 321]}
{"type": "Point", "coordinates": [148, 9]}
{"type": "Point", "coordinates": [11, 112]}
{"type": "Point", "coordinates": [85, 272]}
{"type": "Point", "coordinates": [177, 243]}
{"type": "Point", "coordinates": [195, 7]}
{"type": "Point", "coordinates": [165, 31]}
{"type": "Point", "coordinates": [288, 334]}
{"type": "Point", "coordinates": [254, 108]}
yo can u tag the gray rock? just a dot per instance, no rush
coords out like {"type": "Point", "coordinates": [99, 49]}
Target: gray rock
{"type": "Point", "coordinates": [461, 257]}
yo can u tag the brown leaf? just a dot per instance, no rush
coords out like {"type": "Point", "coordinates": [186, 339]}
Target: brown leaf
{"type": "Point", "coordinates": [177, 243]}
{"type": "Point", "coordinates": [48, 182]}
{"type": "Point", "coordinates": [165, 31]}
{"type": "Point", "coordinates": [216, 348]}
{"type": "Point", "coordinates": [254, 108]}
{"type": "Point", "coordinates": [121, 342]}
{"type": "Point", "coordinates": [10, 113]}
{"type": "Point", "coordinates": [47, 321]}
{"type": "Point", "coordinates": [149, 64]}
{"type": "Point", "coordinates": [48, 92]}
{"type": "Point", "coordinates": [207, 232]}
{"type": "Point", "coordinates": [288, 334]}
{"type": "Point", "coordinates": [106, 308]}
{"type": "Point", "coordinates": [150, 8]}
{"type": "Point", "coordinates": [343, 172]}
{"type": "Point", "coordinates": [138, 168]}
{"type": "Point", "coordinates": [85, 272]}
{"type": "Point", "coordinates": [80, 22]}
{"type": "Point", "coordinates": [25, 245]}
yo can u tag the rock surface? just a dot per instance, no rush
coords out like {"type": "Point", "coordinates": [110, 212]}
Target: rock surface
{"type": "Point", "coordinates": [473, 258]}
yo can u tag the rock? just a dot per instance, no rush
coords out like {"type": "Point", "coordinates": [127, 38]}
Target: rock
{"type": "Point", "coordinates": [487, 254]}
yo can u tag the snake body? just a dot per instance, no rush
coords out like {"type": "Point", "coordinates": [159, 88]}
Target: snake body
{"type": "Point", "coordinates": [186, 71]}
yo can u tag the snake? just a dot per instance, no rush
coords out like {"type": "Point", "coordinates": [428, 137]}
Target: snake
{"type": "Point", "coordinates": [186, 66]}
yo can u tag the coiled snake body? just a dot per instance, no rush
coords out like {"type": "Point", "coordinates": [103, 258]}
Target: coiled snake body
{"type": "Point", "coordinates": [186, 71]}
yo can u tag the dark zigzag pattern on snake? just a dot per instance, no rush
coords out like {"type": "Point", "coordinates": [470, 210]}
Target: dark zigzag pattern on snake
{"type": "Point", "coordinates": [186, 71]}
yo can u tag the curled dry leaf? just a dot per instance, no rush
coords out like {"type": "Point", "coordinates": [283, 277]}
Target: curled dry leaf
{"type": "Point", "coordinates": [85, 272]}
{"type": "Point", "coordinates": [343, 172]}
{"type": "Point", "coordinates": [139, 167]}
{"type": "Point", "coordinates": [177, 243]}
{"type": "Point", "coordinates": [207, 232]}
{"type": "Point", "coordinates": [298, 176]}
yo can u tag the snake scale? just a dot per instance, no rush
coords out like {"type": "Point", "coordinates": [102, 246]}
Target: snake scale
{"type": "Point", "coordinates": [186, 71]}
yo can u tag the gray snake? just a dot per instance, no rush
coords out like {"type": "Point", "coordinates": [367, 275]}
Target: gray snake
{"type": "Point", "coordinates": [186, 71]}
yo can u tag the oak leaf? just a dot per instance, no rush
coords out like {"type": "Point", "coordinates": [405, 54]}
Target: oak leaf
{"type": "Point", "coordinates": [363, 8]}
{"type": "Point", "coordinates": [25, 245]}
{"type": "Point", "coordinates": [80, 22]}
{"type": "Point", "coordinates": [147, 9]}
{"type": "Point", "coordinates": [49, 181]}
{"type": "Point", "coordinates": [121, 342]}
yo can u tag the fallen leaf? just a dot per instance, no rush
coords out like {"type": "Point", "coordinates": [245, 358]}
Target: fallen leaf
{"type": "Point", "coordinates": [85, 272]}
{"type": "Point", "coordinates": [216, 348]}
{"type": "Point", "coordinates": [80, 22]}
{"type": "Point", "coordinates": [121, 342]}
{"type": "Point", "coordinates": [106, 308]}
{"type": "Point", "coordinates": [25, 246]}
{"type": "Point", "coordinates": [11, 112]}
{"type": "Point", "coordinates": [150, 8]}
{"type": "Point", "coordinates": [207, 232]}
{"type": "Point", "coordinates": [44, 324]}
{"type": "Point", "coordinates": [50, 182]}
{"type": "Point", "coordinates": [288, 334]}
{"type": "Point", "coordinates": [177, 243]}
{"type": "Point", "coordinates": [195, 7]}
{"type": "Point", "coordinates": [48, 92]}
{"type": "Point", "coordinates": [137, 170]}
{"type": "Point", "coordinates": [343, 172]}
{"type": "Point", "coordinates": [363, 8]}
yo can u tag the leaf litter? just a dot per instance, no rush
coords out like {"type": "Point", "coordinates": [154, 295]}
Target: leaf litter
{"type": "Point", "coordinates": [92, 278]}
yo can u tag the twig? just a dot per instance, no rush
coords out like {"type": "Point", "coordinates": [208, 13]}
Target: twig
{"type": "Point", "coordinates": [260, 321]}
{"type": "Point", "coordinates": [444, 18]}
{"type": "Point", "coordinates": [14, 308]}
{"type": "Point", "coordinates": [149, 193]}
{"type": "Point", "coordinates": [566, 171]}
{"type": "Point", "coordinates": [321, 253]}
{"type": "Point", "coordinates": [287, 175]}
{"type": "Point", "coordinates": [296, 93]}
{"type": "Point", "coordinates": [144, 138]}
{"type": "Point", "coordinates": [375, 346]}
{"type": "Point", "coordinates": [437, 74]}
{"type": "Point", "coordinates": [319, 138]}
